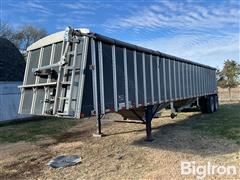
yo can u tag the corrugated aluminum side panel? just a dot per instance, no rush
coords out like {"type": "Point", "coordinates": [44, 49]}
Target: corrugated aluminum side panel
{"type": "Point", "coordinates": [140, 79]}
{"type": "Point", "coordinates": [155, 79]}
{"type": "Point", "coordinates": [162, 78]}
{"type": "Point", "coordinates": [120, 77]}
{"type": "Point", "coordinates": [123, 78]}
{"type": "Point", "coordinates": [131, 79]}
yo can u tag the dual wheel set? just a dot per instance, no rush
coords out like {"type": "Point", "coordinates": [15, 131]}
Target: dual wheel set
{"type": "Point", "coordinates": [209, 104]}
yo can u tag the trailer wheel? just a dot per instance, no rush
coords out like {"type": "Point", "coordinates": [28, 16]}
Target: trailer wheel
{"type": "Point", "coordinates": [210, 104]}
{"type": "Point", "coordinates": [203, 104]}
{"type": "Point", "coordinates": [216, 102]}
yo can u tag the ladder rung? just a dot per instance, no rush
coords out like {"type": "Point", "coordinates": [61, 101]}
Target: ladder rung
{"type": "Point", "coordinates": [69, 83]}
{"type": "Point", "coordinates": [71, 68]}
{"type": "Point", "coordinates": [64, 98]}
{"type": "Point", "coordinates": [70, 53]}
{"type": "Point", "coordinates": [65, 113]}
{"type": "Point", "coordinates": [62, 114]}
{"type": "Point", "coordinates": [66, 83]}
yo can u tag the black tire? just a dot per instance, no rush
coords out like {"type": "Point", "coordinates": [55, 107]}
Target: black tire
{"type": "Point", "coordinates": [216, 104]}
{"type": "Point", "coordinates": [203, 104]}
{"type": "Point", "coordinates": [207, 104]}
{"type": "Point", "coordinates": [210, 104]}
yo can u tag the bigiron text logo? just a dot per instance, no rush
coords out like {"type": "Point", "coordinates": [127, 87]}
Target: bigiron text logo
{"type": "Point", "coordinates": [209, 169]}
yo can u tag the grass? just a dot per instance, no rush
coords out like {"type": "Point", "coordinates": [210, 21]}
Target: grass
{"type": "Point", "coordinates": [224, 123]}
{"type": "Point", "coordinates": [34, 129]}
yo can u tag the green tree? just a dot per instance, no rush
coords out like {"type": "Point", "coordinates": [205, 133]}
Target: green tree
{"type": "Point", "coordinates": [228, 77]}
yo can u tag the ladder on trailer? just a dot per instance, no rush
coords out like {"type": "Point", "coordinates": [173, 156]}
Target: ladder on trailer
{"type": "Point", "coordinates": [72, 62]}
{"type": "Point", "coordinates": [65, 81]}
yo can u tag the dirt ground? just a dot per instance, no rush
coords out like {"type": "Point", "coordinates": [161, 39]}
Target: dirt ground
{"type": "Point", "coordinates": [121, 154]}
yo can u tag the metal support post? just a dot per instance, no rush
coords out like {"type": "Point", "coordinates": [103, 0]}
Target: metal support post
{"type": "Point", "coordinates": [172, 107]}
{"type": "Point", "coordinates": [173, 111]}
{"type": "Point", "coordinates": [148, 117]}
{"type": "Point", "coordinates": [99, 126]}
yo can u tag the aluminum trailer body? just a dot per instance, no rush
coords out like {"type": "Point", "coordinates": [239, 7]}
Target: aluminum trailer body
{"type": "Point", "coordinates": [78, 73]}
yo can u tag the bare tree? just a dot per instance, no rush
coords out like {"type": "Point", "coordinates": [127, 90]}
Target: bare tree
{"type": "Point", "coordinates": [27, 35]}
{"type": "Point", "coordinates": [23, 37]}
{"type": "Point", "coordinates": [6, 31]}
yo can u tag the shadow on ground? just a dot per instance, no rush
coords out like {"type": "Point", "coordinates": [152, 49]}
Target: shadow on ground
{"type": "Point", "coordinates": [201, 134]}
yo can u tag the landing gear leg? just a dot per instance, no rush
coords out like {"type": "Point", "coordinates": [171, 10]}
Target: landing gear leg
{"type": "Point", "coordinates": [99, 126]}
{"type": "Point", "coordinates": [173, 111]}
{"type": "Point", "coordinates": [148, 117]}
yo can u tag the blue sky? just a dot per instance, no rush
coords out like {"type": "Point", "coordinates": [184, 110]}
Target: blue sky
{"type": "Point", "coordinates": [201, 31]}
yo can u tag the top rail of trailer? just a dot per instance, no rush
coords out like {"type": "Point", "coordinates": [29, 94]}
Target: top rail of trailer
{"type": "Point", "coordinates": [59, 36]}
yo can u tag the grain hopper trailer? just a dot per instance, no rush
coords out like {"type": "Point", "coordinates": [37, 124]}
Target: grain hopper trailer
{"type": "Point", "coordinates": [78, 73]}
